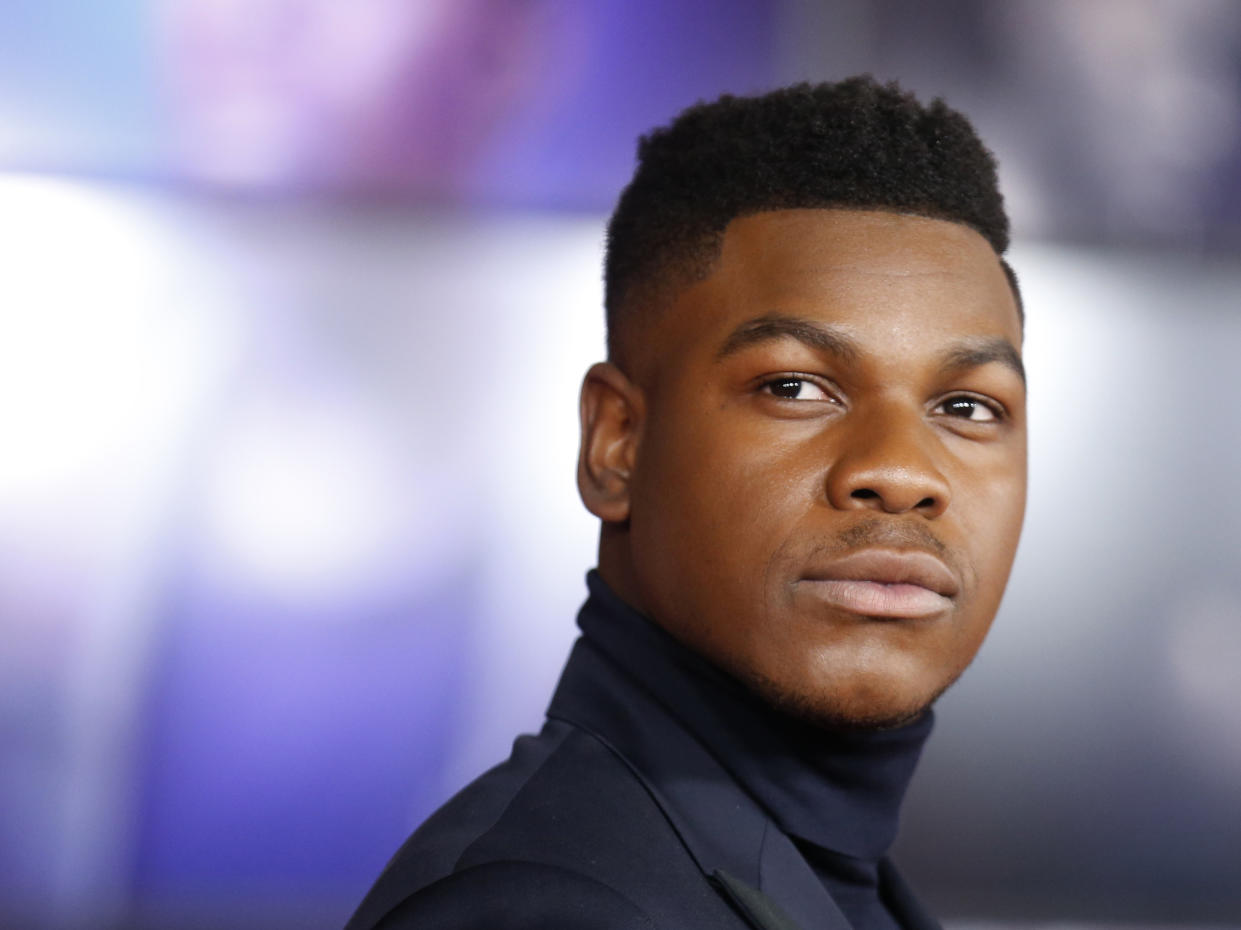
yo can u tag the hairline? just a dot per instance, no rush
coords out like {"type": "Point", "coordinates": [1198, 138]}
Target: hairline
{"type": "Point", "coordinates": [658, 291]}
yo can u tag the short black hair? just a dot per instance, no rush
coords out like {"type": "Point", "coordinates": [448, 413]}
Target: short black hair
{"type": "Point", "coordinates": [853, 144]}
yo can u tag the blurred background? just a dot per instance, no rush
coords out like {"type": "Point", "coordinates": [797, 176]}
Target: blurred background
{"type": "Point", "coordinates": [294, 300]}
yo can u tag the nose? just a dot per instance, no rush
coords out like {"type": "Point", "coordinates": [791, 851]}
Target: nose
{"type": "Point", "coordinates": [886, 461]}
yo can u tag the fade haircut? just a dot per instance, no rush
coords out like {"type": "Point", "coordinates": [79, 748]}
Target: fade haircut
{"type": "Point", "coordinates": [855, 144]}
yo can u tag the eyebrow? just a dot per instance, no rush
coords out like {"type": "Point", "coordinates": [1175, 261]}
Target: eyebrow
{"type": "Point", "coordinates": [972, 353]}
{"type": "Point", "coordinates": [768, 328]}
{"type": "Point", "coordinates": [975, 354]}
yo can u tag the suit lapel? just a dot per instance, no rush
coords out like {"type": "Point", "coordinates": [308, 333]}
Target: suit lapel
{"type": "Point", "coordinates": [756, 907]}
{"type": "Point", "coordinates": [900, 899]}
{"type": "Point", "coordinates": [791, 886]}
{"type": "Point", "coordinates": [786, 877]}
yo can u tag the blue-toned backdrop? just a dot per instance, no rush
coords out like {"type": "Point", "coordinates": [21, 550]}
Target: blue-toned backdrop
{"type": "Point", "coordinates": [294, 300]}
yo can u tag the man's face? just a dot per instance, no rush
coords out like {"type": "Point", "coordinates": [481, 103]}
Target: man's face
{"type": "Point", "coordinates": [829, 478]}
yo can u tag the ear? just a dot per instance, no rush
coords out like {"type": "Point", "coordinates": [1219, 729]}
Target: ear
{"type": "Point", "coordinates": [612, 409]}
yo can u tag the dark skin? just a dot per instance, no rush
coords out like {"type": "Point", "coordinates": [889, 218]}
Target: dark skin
{"type": "Point", "coordinates": [813, 471]}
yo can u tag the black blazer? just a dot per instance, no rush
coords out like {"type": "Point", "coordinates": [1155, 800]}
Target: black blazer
{"type": "Point", "coordinates": [612, 817]}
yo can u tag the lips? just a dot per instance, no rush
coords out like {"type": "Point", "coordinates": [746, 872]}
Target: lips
{"type": "Point", "coordinates": [897, 584]}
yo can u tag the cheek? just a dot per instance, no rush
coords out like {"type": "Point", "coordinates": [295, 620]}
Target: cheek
{"type": "Point", "coordinates": [721, 496]}
{"type": "Point", "coordinates": [749, 489]}
{"type": "Point", "coordinates": [991, 530]}
{"type": "Point", "coordinates": [1007, 509]}
{"type": "Point", "coordinates": [989, 501]}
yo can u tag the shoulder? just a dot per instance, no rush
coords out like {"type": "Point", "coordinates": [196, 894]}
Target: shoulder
{"type": "Point", "coordinates": [562, 831]}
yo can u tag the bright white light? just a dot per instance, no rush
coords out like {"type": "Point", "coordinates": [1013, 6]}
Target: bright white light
{"type": "Point", "coordinates": [100, 359]}
{"type": "Point", "coordinates": [301, 499]}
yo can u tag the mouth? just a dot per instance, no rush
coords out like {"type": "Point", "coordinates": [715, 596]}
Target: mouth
{"type": "Point", "coordinates": [884, 584]}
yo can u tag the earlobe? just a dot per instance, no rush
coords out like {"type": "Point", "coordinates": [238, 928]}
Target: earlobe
{"type": "Point", "coordinates": [611, 414]}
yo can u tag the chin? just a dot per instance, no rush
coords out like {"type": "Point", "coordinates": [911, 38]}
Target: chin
{"type": "Point", "coordinates": [865, 705]}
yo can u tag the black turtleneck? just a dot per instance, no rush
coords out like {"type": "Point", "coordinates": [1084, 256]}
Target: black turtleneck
{"type": "Point", "coordinates": [837, 794]}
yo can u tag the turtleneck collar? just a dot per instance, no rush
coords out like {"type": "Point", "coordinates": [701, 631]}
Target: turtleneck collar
{"type": "Point", "coordinates": [838, 790]}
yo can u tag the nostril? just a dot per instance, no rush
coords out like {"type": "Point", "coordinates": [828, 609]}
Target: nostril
{"type": "Point", "coordinates": [864, 494]}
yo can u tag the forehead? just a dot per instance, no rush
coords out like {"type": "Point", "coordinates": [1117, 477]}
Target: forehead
{"type": "Point", "coordinates": [899, 283]}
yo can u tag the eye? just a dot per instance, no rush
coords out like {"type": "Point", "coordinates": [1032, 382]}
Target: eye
{"type": "Point", "coordinates": [969, 408]}
{"type": "Point", "coordinates": [789, 388]}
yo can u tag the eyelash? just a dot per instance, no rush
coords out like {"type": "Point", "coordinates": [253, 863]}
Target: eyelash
{"type": "Point", "coordinates": [769, 384]}
{"type": "Point", "coordinates": [998, 413]}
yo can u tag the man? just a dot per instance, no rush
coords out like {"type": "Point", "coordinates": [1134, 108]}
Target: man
{"type": "Point", "coordinates": [807, 451]}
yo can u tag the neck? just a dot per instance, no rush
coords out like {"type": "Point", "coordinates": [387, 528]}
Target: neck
{"type": "Point", "coordinates": [841, 790]}
{"type": "Point", "coordinates": [616, 565]}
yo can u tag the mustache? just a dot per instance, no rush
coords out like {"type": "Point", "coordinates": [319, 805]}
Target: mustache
{"type": "Point", "coordinates": [875, 533]}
